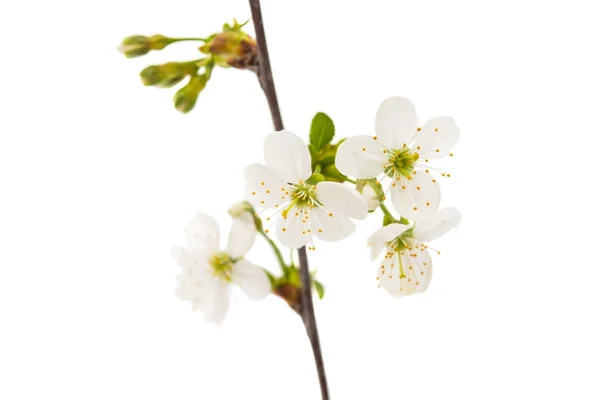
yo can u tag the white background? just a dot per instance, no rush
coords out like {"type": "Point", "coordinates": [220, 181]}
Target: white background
{"type": "Point", "coordinates": [99, 175]}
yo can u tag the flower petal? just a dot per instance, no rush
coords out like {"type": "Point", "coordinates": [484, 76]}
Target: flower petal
{"type": "Point", "coordinates": [417, 198]}
{"type": "Point", "coordinates": [215, 303]}
{"type": "Point", "coordinates": [443, 221]}
{"type": "Point", "coordinates": [252, 279]}
{"type": "Point", "coordinates": [360, 157]}
{"type": "Point", "coordinates": [379, 240]}
{"type": "Point", "coordinates": [263, 187]}
{"type": "Point", "coordinates": [203, 232]}
{"type": "Point", "coordinates": [331, 226]}
{"type": "Point", "coordinates": [337, 197]}
{"type": "Point", "coordinates": [396, 122]}
{"type": "Point", "coordinates": [417, 268]}
{"type": "Point", "coordinates": [294, 231]}
{"type": "Point", "coordinates": [190, 258]}
{"type": "Point", "coordinates": [241, 238]}
{"type": "Point", "coordinates": [412, 277]}
{"type": "Point", "coordinates": [437, 137]}
{"type": "Point", "coordinates": [287, 155]}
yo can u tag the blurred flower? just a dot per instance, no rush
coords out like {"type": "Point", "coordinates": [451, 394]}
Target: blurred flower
{"type": "Point", "coordinates": [300, 207]}
{"type": "Point", "coordinates": [208, 273]}
{"type": "Point", "coordinates": [398, 149]}
{"type": "Point", "coordinates": [406, 266]}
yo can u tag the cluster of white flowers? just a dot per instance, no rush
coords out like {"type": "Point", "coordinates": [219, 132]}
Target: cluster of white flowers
{"type": "Point", "coordinates": [300, 204]}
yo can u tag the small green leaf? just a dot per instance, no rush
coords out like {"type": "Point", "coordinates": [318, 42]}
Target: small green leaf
{"type": "Point", "coordinates": [319, 288]}
{"type": "Point", "coordinates": [322, 130]}
{"type": "Point", "coordinates": [315, 178]}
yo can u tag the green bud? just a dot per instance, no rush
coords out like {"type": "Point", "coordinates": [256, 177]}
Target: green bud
{"type": "Point", "coordinates": [167, 75]}
{"type": "Point", "coordinates": [138, 45]}
{"type": "Point", "coordinates": [185, 98]}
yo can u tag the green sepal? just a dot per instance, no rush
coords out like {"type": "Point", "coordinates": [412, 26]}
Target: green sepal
{"type": "Point", "coordinates": [387, 219]}
{"type": "Point", "coordinates": [322, 130]}
{"type": "Point", "coordinates": [315, 178]}
{"type": "Point", "coordinates": [331, 173]}
{"type": "Point", "coordinates": [320, 289]}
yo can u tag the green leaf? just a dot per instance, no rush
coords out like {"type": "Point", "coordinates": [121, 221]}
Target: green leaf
{"type": "Point", "coordinates": [319, 288]}
{"type": "Point", "coordinates": [322, 130]}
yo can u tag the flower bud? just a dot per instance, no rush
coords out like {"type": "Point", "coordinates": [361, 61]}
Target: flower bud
{"type": "Point", "coordinates": [138, 45]}
{"type": "Point", "coordinates": [245, 212]}
{"type": "Point", "coordinates": [371, 191]}
{"type": "Point", "coordinates": [234, 48]}
{"type": "Point", "coordinates": [371, 197]}
{"type": "Point", "coordinates": [166, 75]}
{"type": "Point", "coordinates": [185, 98]}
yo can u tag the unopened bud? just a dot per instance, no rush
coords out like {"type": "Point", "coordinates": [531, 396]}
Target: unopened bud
{"type": "Point", "coordinates": [166, 75]}
{"type": "Point", "coordinates": [243, 211]}
{"type": "Point", "coordinates": [371, 191]}
{"type": "Point", "coordinates": [138, 45]}
{"type": "Point", "coordinates": [235, 48]}
{"type": "Point", "coordinates": [185, 98]}
{"type": "Point", "coordinates": [371, 197]}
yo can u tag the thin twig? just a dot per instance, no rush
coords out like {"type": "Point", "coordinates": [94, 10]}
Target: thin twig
{"type": "Point", "coordinates": [307, 310]}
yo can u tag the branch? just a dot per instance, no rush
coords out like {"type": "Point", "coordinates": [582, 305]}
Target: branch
{"type": "Point", "coordinates": [307, 311]}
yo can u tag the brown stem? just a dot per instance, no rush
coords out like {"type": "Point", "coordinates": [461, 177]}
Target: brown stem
{"type": "Point", "coordinates": [307, 310]}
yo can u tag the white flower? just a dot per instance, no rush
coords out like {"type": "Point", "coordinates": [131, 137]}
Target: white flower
{"type": "Point", "coordinates": [406, 266]}
{"type": "Point", "coordinates": [299, 208]}
{"type": "Point", "coordinates": [400, 151]}
{"type": "Point", "coordinates": [209, 272]}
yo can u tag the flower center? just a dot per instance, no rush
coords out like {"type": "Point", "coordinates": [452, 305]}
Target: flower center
{"type": "Point", "coordinates": [222, 265]}
{"type": "Point", "coordinates": [303, 197]}
{"type": "Point", "coordinates": [402, 242]}
{"type": "Point", "coordinates": [401, 163]}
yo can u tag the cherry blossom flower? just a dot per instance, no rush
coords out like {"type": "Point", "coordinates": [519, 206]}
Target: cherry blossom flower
{"type": "Point", "coordinates": [208, 272]}
{"type": "Point", "coordinates": [298, 207]}
{"type": "Point", "coordinates": [406, 266]}
{"type": "Point", "coordinates": [401, 151]}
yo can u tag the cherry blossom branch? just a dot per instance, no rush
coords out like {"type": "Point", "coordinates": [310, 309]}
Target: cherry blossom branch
{"type": "Point", "coordinates": [265, 77]}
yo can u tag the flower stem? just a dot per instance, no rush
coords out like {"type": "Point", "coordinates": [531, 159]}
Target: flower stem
{"type": "Point", "coordinates": [387, 213]}
{"type": "Point", "coordinates": [307, 311]}
{"type": "Point", "coordinates": [276, 250]}
{"type": "Point", "coordinates": [385, 210]}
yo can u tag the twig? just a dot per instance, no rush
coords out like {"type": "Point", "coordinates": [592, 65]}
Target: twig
{"type": "Point", "coordinates": [307, 310]}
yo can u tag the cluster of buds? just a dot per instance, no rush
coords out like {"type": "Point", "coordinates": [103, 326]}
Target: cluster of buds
{"type": "Point", "coordinates": [230, 48]}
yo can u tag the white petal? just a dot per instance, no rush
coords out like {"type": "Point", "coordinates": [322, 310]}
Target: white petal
{"type": "Point", "coordinates": [241, 238]}
{"type": "Point", "coordinates": [417, 198]}
{"type": "Point", "coordinates": [331, 226]}
{"type": "Point", "coordinates": [203, 232]}
{"type": "Point", "coordinates": [360, 157]}
{"type": "Point", "coordinates": [263, 187]}
{"type": "Point", "coordinates": [436, 138]}
{"type": "Point", "coordinates": [215, 303]}
{"type": "Point", "coordinates": [417, 268]}
{"type": "Point", "coordinates": [442, 222]}
{"type": "Point", "coordinates": [396, 122]}
{"type": "Point", "coordinates": [337, 197]}
{"type": "Point", "coordinates": [288, 156]}
{"type": "Point", "coordinates": [294, 231]}
{"type": "Point", "coordinates": [252, 279]}
{"type": "Point", "coordinates": [190, 258]}
{"type": "Point", "coordinates": [416, 273]}
{"type": "Point", "coordinates": [379, 240]}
